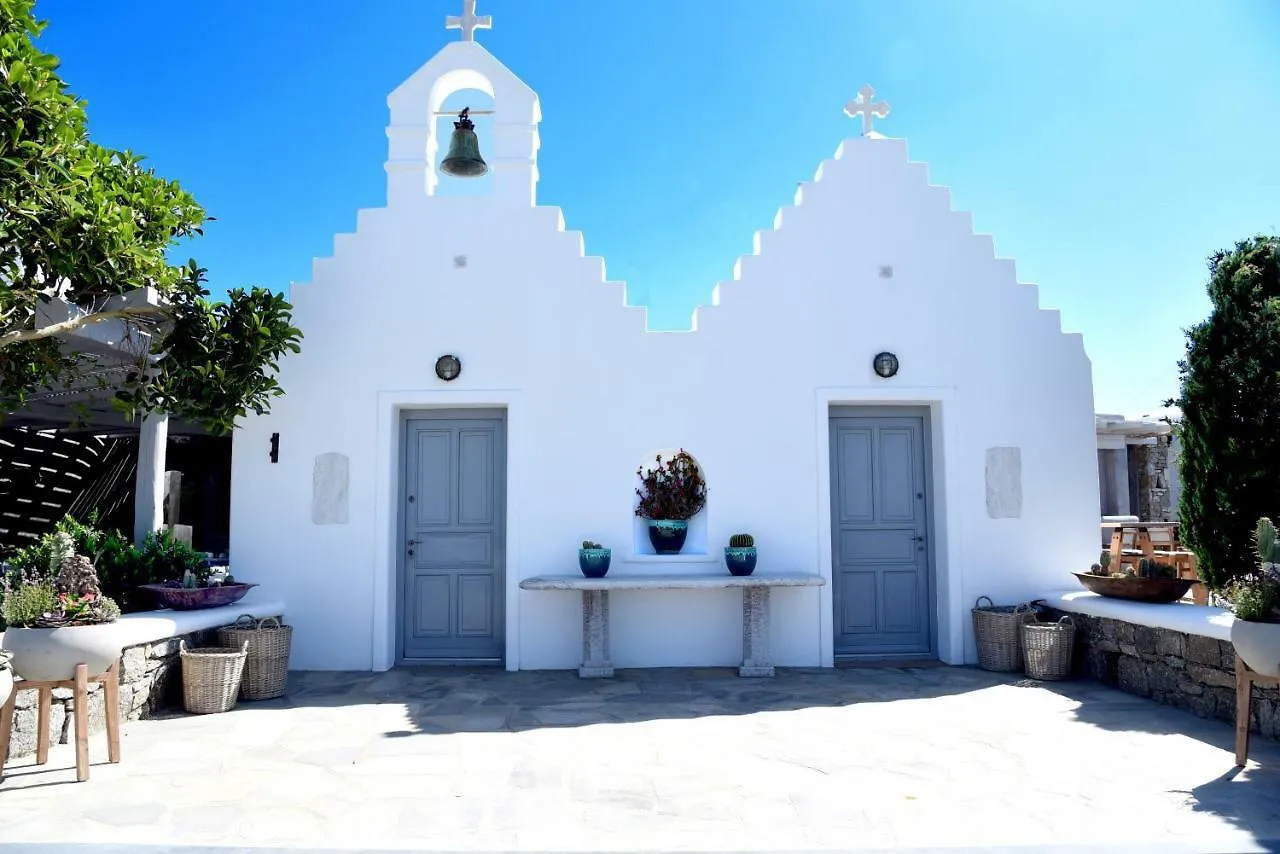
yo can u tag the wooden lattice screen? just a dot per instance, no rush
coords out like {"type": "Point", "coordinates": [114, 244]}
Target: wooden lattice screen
{"type": "Point", "coordinates": [46, 475]}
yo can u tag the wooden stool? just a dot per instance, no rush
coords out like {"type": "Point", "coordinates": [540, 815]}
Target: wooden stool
{"type": "Point", "coordinates": [80, 694]}
{"type": "Point", "coordinates": [1245, 680]}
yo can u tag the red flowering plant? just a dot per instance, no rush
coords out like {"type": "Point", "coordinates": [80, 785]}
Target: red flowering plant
{"type": "Point", "coordinates": [673, 490]}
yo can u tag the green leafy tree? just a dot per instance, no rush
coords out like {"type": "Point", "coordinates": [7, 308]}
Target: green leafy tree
{"type": "Point", "coordinates": [90, 226]}
{"type": "Point", "coordinates": [1230, 402]}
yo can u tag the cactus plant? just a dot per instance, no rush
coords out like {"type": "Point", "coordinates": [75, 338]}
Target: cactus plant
{"type": "Point", "coordinates": [1264, 538]}
{"type": "Point", "coordinates": [1096, 569]}
{"type": "Point", "coordinates": [741, 541]}
{"type": "Point", "coordinates": [1104, 561]}
{"type": "Point", "coordinates": [587, 544]}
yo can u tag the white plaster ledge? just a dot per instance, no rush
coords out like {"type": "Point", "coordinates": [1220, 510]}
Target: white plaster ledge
{"type": "Point", "coordinates": [1176, 616]}
{"type": "Point", "coordinates": [670, 581]}
{"type": "Point", "coordinates": [150, 626]}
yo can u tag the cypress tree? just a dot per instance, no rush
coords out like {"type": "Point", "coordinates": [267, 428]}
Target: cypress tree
{"type": "Point", "coordinates": [1230, 401]}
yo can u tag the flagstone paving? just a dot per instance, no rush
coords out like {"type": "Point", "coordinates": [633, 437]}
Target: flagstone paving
{"type": "Point", "coordinates": [871, 759]}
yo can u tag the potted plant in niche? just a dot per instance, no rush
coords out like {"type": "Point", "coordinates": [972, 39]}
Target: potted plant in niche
{"type": "Point", "coordinates": [1255, 600]}
{"type": "Point", "coordinates": [593, 559]}
{"type": "Point", "coordinates": [670, 496]}
{"type": "Point", "coordinates": [740, 554]}
{"type": "Point", "coordinates": [57, 616]}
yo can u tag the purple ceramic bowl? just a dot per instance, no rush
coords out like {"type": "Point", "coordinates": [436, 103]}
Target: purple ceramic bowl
{"type": "Point", "coordinates": [190, 599]}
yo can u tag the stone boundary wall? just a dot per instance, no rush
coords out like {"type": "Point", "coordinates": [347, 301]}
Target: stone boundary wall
{"type": "Point", "coordinates": [150, 682]}
{"type": "Point", "coordinates": [1190, 672]}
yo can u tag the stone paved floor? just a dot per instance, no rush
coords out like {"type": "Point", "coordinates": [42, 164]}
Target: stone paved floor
{"type": "Point", "coordinates": [857, 758]}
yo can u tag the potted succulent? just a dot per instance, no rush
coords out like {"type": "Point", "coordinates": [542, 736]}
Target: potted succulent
{"type": "Point", "coordinates": [1151, 581]}
{"type": "Point", "coordinates": [593, 559]}
{"type": "Point", "coordinates": [672, 494]}
{"type": "Point", "coordinates": [1255, 600]}
{"type": "Point", "coordinates": [190, 581]}
{"type": "Point", "coordinates": [740, 554]}
{"type": "Point", "coordinates": [57, 617]}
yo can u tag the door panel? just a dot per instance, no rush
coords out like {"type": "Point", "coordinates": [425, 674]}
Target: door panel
{"type": "Point", "coordinates": [454, 549]}
{"type": "Point", "coordinates": [881, 579]}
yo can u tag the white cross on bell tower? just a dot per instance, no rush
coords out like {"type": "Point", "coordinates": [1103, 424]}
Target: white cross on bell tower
{"type": "Point", "coordinates": [468, 22]}
{"type": "Point", "coordinates": [866, 106]}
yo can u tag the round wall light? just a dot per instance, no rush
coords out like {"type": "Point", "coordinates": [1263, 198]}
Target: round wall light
{"type": "Point", "coordinates": [448, 368]}
{"type": "Point", "coordinates": [885, 364]}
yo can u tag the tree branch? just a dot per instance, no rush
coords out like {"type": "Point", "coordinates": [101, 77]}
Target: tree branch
{"type": "Point", "coordinates": [19, 335]}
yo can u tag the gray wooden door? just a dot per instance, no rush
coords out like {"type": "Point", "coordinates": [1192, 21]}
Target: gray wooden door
{"type": "Point", "coordinates": [454, 548]}
{"type": "Point", "coordinates": [881, 576]}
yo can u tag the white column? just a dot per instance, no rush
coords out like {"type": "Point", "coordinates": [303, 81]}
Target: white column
{"type": "Point", "coordinates": [148, 502]}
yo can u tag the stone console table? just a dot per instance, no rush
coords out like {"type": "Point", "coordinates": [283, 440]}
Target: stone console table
{"type": "Point", "coordinates": [756, 660]}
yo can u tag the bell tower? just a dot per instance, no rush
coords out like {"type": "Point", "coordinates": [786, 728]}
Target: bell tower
{"type": "Point", "coordinates": [414, 149]}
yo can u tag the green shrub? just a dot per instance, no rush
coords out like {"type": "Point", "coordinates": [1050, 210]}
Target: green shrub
{"type": "Point", "coordinates": [25, 603]}
{"type": "Point", "coordinates": [1252, 599]}
{"type": "Point", "coordinates": [1230, 402]}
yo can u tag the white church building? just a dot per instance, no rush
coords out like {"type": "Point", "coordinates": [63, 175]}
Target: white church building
{"type": "Point", "coordinates": [397, 513]}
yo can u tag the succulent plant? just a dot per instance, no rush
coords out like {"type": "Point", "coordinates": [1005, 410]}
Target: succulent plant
{"type": "Point", "coordinates": [1264, 538]}
{"type": "Point", "coordinates": [587, 544]}
{"type": "Point", "coordinates": [1096, 569]}
{"type": "Point", "coordinates": [189, 580]}
{"type": "Point", "coordinates": [741, 541]}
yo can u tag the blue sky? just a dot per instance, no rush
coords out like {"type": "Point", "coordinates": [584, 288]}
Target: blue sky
{"type": "Point", "coordinates": [1108, 147]}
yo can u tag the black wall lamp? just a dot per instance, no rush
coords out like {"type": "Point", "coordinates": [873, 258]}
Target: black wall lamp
{"type": "Point", "coordinates": [885, 364]}
{"type": "Point", "coordinates": [448, 367]}
{"type": "Point", "coordinates": [275, 447]}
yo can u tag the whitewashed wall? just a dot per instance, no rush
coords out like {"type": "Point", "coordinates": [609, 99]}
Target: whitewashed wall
{"type": "Point", "coordinates": [590, 394]}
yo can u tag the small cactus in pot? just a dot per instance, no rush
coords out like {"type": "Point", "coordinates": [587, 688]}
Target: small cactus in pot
{"type": "Point", "coordinates": [740, 554]}
{"type": "Point", "coordinates": [593, 559]}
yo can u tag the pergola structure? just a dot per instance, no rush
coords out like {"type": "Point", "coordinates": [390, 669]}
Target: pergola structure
{"type": "Point", "coordinates": [113, 348]}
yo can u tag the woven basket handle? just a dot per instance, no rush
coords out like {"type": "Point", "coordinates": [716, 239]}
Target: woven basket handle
{"type": "Point", "coordinates": [263, 623]}
{"type": "Point", "coordinates": [1066, 619]}
{"type": "Point", "coordinates": [244, 621]}
{"type": "Point", "coordinates": [978, 603]}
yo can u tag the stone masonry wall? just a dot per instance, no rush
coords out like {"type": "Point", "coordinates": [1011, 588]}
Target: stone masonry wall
{"type": "Point", "coordinates": [1189, 672]}
{"type": "Point", "coordinates": [1152, 462]}
{"type": "Point", "coordinates": [150, 681]}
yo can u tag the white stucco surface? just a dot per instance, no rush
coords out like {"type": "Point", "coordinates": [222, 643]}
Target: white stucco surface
{"type": "Point", "coordinates": [544, 334]}
{"type": "Point", "coordinates": [1184, 617]}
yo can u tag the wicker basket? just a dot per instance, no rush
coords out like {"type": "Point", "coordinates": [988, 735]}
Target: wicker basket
{"type": "Point", "coordinates": [998, 629]}
{"type": "Point", "coordinates": [211, 677]}
{"type": "Point", "coordinates": [1048, 648]}
{"type": "Point", "coordinates": [266, 670]}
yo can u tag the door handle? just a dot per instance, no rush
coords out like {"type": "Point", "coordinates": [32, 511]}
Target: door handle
{"type": "Point", "coordinates": [411, 544]}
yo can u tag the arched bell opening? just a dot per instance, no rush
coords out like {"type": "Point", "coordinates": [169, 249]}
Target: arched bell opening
{"type": "Point", "coordinates": [473, 141]}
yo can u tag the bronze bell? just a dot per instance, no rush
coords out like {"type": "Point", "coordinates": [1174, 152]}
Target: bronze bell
{"type": "Point", "coordinates": [463, 159]}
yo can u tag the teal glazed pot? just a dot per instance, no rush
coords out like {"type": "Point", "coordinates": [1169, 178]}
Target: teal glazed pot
{"type": "Point", "coordinates": [740, 560]}
{"type": "Point", "coordinates": [668, 535]}
{"type": "Point", "coordinates": [594, 563]}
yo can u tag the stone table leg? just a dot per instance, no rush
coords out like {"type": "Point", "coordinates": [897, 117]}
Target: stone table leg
{"type": "Point", "coordinates": [595, 635]}
{"type": "Point", "coordinates": [755, 633]}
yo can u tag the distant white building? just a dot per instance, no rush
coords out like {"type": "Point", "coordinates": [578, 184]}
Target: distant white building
{"type": "Point", "coordinates": [1138, 466]}
{"type": "Point", "coordinates": [397, 512]}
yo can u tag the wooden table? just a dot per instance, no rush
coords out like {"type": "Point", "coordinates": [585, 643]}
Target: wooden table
{"type": "Point", "coordinates": [1183, 560]}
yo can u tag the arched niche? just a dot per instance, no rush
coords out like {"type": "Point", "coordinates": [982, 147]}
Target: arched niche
{"type": "Point", "coordinates": [695, 545]}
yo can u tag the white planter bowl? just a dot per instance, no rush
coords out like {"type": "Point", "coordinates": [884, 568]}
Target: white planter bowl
{"type": "Point", "coordinates": [52, 654]}
{"type": "Point", "coordinates": [1259, 645]}
{"type": "Point", "coordinates": [6, 685]}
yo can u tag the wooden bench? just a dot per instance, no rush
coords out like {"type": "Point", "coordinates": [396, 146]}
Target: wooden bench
{"type": "Point", "coordinates": [1245, 680]}
{"type": "Point", "coordinates": [756, 658]}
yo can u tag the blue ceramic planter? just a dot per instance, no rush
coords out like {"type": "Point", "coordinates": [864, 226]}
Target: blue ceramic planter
{"type": "Point", "coordinates": [741, 561]}
{"type": "Point", "coordinates": [667, 535]}
{"type": "Point", "coordinates": [594, 563]}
